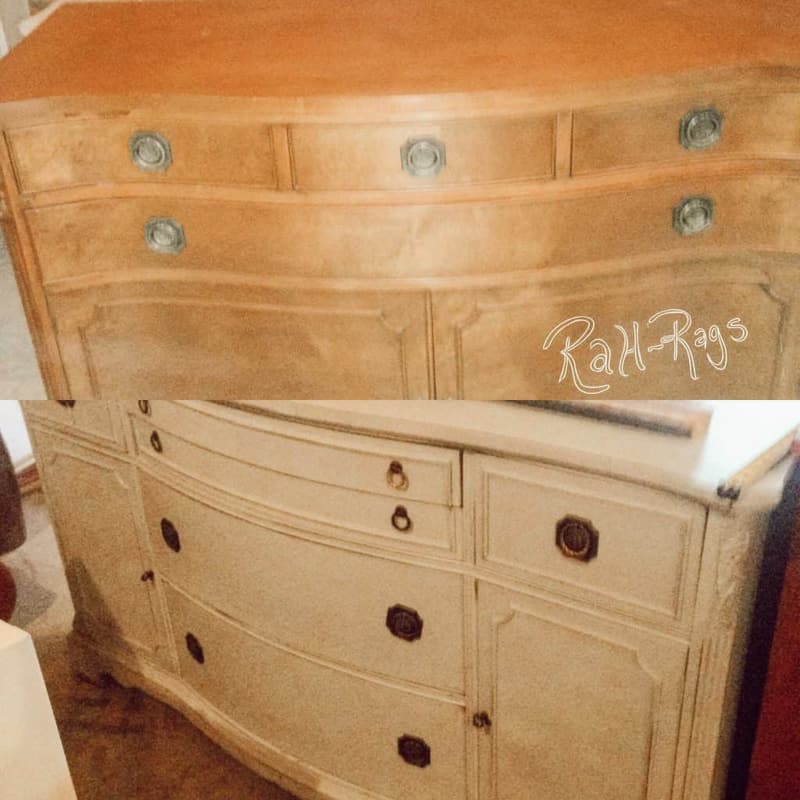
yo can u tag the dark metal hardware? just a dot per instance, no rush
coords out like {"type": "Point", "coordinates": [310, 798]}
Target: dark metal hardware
{"type": "Point", "coordinates": [404, 623]}
{"type": "Point", "coordinates": [66, 403]}
{"type": "Point", "coordinates": [170, 534]}
{"type": "Point", "coordinates": [701, 128]}
{"type": "Point", "coordinates": [401, 521]}
{"type": "Point", "coordinates": [414, 751]}
{"type": "Point", "coordinates": [155, 441]}
{"type": "Point", "coordinates": [396, 477]}
{"type": "Point", "coordinates": [195, 648]}
{"type": "Point", "coordinates": [144, 407]}
{"type": "Point", "coordinates": [577, 538]}
{"type": "Point", "coordinates": [482, 720]}
{"type": "Point", "coordinates": [148, 576]}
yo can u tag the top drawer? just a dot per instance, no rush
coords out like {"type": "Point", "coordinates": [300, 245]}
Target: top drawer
{"type": "Point", "coordinates": [399, 470]}
{"type": "Point", "coordinates": [678, 131]}
{"type": "Point", "coordinates": [414, 156]}
{"type": "Point", "coordinates": [159, 149]}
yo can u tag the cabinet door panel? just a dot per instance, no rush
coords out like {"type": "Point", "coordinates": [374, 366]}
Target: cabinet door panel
{"type": "Point", "coordinates": [704, 330]}
{"type": "Point", "coordinates": [93, 502]}
{"type": "Point", "coordinates": [166, 339]}
{"type": "Point", "coordinates": [580, 707]}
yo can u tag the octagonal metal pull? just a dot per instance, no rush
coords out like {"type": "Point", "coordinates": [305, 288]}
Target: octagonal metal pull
{"type": "Point", "coordinates": [414, 751]}
{"type": "Point", "coordinates": [693, 215]}
{"type": "Point", "coordinates": [701, 128]}
{"type": "Point", "coordinates": [164, 235]}
{"type": "Point", "coordinates": [150, 151]}
{"type": "Point", "coordinates": [577, 538]}
{"type": "Point", "coordinates": [404, 623]}
{"type": "Point", "coordinates": [423, 157]}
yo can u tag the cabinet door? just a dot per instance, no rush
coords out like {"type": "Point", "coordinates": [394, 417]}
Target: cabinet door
{"type": "Point", "coordinates": [189, 339]}
{"type": "Point", "coordinates": [581, 707]}
{"type": "Point", "coordinates": [93, 502]}
{"type": "Point", "coordinates": [696, 330]}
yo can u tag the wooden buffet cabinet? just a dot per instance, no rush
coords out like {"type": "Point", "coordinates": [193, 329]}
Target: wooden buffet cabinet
{"type": "Point", "coordinates": [379, 200]}
{"type": "Point", "coordinates": [444, 601]}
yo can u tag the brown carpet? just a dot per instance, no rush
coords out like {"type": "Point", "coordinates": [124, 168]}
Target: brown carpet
{"type": "Point", "coordinates": [120, 743]}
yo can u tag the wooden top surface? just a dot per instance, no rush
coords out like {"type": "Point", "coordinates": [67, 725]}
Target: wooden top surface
{"type": "Point", "coordinates": [324, 48]}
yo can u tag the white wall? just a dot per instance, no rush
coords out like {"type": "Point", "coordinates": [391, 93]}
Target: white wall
{"type": "Point", "coordinates": [15, 434]}
{"type": "Point", "coordinates": [12, 12]}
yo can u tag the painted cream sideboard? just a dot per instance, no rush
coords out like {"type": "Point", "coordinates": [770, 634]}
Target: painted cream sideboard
{"type": "Point", "coordinates": [485, 200]}
{"type": "Point", "coordinates": [445, 601]}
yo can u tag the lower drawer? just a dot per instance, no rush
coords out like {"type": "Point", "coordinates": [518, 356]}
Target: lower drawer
{"type": "Point", "coordinates": [382, 616]}
{"type": "Point", "coordinates": [329, 719]}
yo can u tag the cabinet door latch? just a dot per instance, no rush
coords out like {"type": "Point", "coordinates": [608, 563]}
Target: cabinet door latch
{"type": "Point", "coordinates": [482, 720]}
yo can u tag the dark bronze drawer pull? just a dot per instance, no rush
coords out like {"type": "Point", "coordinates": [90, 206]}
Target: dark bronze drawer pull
{"type": "Point", "coordinates": [401, 521]}
{"type": "Point", "coordinates": [170, 535]}
{"type": "Point", "coordinates": [195, 648]}
{"type": "Point", "coordinates": [396, 477]}
{"type": "Point", "coordinates": [577, 538]}
{"type": "Point", "coordinates": [66, 403]}
{"type": "Point", "coordinates": [155, 441]}
{"type": "Point", "coordinates": [414, 751]}
{"type": "Point", "coordinates": [404, 623]}
{"type": "Point", "coordinates": [144, 407]}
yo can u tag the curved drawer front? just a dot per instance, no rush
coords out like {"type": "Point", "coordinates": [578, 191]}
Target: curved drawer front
{"type": "Point", "coordinates": [629, 549]}
{"type": "Point", "coordinates": [414, 156]}
{"type": "Point", "coordinates": [411, 240]}
{"type": "Point", "coordinates": [397, 469]}
{"type": "Point", "coordinates": [143, 148]}
{"type": "Point", "coordinates": [378, 616]}
{"type": "Point", "coordinates": [743, 127]}
{"type": "Point", "coordinates": [372, 518]}
{"type": "Point", "coordinates": [328, 719]}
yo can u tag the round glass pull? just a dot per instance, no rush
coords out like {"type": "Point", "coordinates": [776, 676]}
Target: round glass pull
{"type": "Point", "coordinates": [150, 151]}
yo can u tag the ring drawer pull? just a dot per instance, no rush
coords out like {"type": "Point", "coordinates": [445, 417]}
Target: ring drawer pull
{"type": "Point", "coordinates": [195, 648]}
{"type": "Point", "coordinates": [155, 442]}
{"type": "Point", "coordinates": [577, 538]}
{"type": "Point", "coordinates": [404, 623]}
{"type": "Point", "coordinates": [693, 215]}
{"type": "Point", "coordinates": [144, 407]}
{"type": "Point", "coordinates": [66, 403]}
{"type": "Point", "coordinates": [170, 535]}
{"type": "Point", "coordinates": [164, 235]}
{"type": "Point", "coordinates": [414, 751]}
{"type": "Point", "coordinates": [701, 129]}
{"type": "Point", "coordinates": [150, 151]}
{"type": "Point", "coordinates": [423, 157]}
{"type": "Point", "coordinates": [401, 521]}
{"type": "Point", "coordinates": [396, 477]}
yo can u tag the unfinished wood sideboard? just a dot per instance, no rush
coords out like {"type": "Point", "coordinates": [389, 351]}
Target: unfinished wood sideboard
{"type": "Point", "coordinates": [389, 200]}
{"type": "Point", "coordinates": [444, 601]}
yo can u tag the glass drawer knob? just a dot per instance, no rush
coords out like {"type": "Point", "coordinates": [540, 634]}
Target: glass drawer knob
{"type": "Point", "coordinates": [423, 157]}
{"type": "Point", "coordinates": [693, 215]}
{"type": "Point", "coordinates": [701, 128]}
{"type": "Point", "coordinates": [164, 235]}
